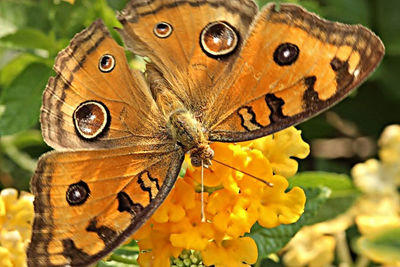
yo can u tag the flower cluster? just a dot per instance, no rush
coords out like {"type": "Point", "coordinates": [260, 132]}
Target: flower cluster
{"type": "Point", "coordinates": [16, 216]}
{"type": "Point", "coordinates": [378, 210]}
{"type": "Point", "coordinates": [374, 213]}
{"type": "Point", "coordinates": [233, 201]}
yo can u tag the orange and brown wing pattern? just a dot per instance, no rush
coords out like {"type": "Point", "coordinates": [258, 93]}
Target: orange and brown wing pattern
{"type": "Point", "coordinates": [293, 66]}
{"type": "Point", "coordinates": [88, 202]}
{"type": "Point", "coordinates": [96, 100]}
{"type": "Point", "coordinates": [179, 38]}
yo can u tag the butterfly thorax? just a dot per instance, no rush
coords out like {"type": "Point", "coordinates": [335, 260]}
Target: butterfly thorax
{"type": "Point", "coordinates": [188, 133]}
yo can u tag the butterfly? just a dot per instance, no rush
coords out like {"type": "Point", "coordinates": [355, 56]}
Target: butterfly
{"type": "Point", "coordinates": [217, 71]}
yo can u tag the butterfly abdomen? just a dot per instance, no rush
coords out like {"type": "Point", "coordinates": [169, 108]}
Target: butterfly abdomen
{"type": "Point", "coordinates": [189, 134]}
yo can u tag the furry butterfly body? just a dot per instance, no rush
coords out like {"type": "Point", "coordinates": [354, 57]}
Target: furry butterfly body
{"type": "Point", "coordinates": [218, 71]}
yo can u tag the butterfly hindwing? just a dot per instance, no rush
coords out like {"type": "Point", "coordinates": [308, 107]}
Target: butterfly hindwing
{"type": "Point", "coordinates": [88, 202]}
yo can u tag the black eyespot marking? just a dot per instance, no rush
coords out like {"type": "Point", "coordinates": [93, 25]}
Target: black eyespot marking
{"type": "Point", "coordinates": [106, 63]}
{"type": "Point", "coordinates": [162, 29]}
{"type": "Point", "coordinates": [219, 39]}
{"type": "Point", "coordinates": [286, 54]}
{"type": "Point", "coordinates": [77, 194]}
{"type": "Point", "coordinates": [91, 118]}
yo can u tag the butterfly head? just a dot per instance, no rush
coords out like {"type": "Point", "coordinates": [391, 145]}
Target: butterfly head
{"type": "Point", "coordinates": [201, 156]}
{"type": "Point", "coordinates": [188, 132]}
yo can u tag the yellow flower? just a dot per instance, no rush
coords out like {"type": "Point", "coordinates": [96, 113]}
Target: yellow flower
{"type": "Point", "coordinates": [315, 245]}
{"type": "Point", "coordinates": [16, 216]}
{"type": "Point", "coordinates": [280, 148]}
{"type": "Point", "coordinates": [371, 179]}
{"type": "Point", "coordinates": [234, 253]}
{"type": "Point", "coordinates": [390, 144]}
{"type": "Point", "coordinates": [233, 202]}
{"type": "Point", "coordinates": [279, 207]}
{"type": "Point", "coordinates": [389, 152]}
{"type": "Point", "coordinates": [310, 248]}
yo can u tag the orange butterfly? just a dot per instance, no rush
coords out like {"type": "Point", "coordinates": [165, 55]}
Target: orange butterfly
{"type": "Point", "coordinates": [219, 71]}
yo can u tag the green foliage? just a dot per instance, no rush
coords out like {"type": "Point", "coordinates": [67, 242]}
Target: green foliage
{"type": "Point", "coordinates": [342, 192]}
{"type": "Point", "coordinates": [22, 99]}
{"type": "Point", "coordinates": [124, 256]}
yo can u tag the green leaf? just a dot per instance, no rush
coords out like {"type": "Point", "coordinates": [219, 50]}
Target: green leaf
{"type": "Point", "coordinates": [13, 175]}
{"type": "Point", "coordinates": [29, 38]}
{"type": "Point", "coordinates": [117, 4]}
{"type": "Point", "coordinates": [339, 184]}
{"type": "Point", "coordinates": [270, 263]}
{"type": "Point", "coordinates": [12, 16]}
{"type": "Point", "coordinates": [272, 240]}
{"type": "Point", "coordinates": [109, 17]}
{"type": "Point", "coordinates": [13, 68]}
{"type": "Point", "coordinates": [22, 99]}
{"type": "Point", "coordinates": [342, 197]}
{"type": "Point", "coordinates": [71, 19]}
{"type": "Point", "coordinates": [382, 247]}
{"type": "Point", "coordinates": [30, 13]}
{"type": "Point", "coordinates": [28, 138]}
{"type": "Point", "coordinates": [124, 256]}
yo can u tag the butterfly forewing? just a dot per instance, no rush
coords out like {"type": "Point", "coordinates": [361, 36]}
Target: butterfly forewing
{"type": "Point", "coordinates": [303, 65]}
{"type": "Point", "coordinates": [188, 58]}
{"type": "Point", "coordinates": [94, 79]}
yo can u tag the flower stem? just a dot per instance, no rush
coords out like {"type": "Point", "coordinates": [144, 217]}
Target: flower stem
{"type": "Point", "coordinates": [362, 261]}
{"type": "Point", "coordinates": [22, 159]}
{"type": "Point", "coordinates": [343, 249]}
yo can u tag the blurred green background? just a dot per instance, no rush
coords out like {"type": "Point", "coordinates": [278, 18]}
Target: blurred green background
{"type": "Point", "coordinates": [32, 32]}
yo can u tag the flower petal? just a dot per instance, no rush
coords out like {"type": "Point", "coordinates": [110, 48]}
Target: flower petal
{"type": "Point", "coordinates": [233, 253]}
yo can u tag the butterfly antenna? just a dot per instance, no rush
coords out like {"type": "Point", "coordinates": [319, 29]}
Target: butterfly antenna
{"type": "Point", "coordinates": [203, 217]}
{"type": "Point", "coordinates": [246, 173]}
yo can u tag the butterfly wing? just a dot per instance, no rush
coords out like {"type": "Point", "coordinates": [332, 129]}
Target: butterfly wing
{"type": "Point", "coordinates": [293, 66]}
{"type": "Point", "coordinates": [180, 56]}
{"type": "Point", "coordinates": [96, 100]}
{"type": "Point", "coordinates": [123, 163]}
{"type": "Point", "coordinates": [88, 202]}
